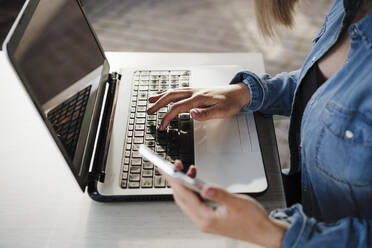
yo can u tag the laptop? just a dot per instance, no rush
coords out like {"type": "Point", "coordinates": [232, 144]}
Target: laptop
{"type": "Point", "coordinates": [98, 117]}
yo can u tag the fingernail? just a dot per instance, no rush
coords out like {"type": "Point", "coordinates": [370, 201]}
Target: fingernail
{"type": "Point", "coordinates": [195, 112]}
{"type": "Point", "coordinates": [210, 192]}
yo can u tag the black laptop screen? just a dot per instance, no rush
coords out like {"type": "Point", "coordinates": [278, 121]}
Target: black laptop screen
{"type": "Point", "coordinates": [62, 66]}
{"type": "Point", "coordinates": [57, 48]}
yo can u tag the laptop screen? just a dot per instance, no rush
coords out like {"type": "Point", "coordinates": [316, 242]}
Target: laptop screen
{"type": "Point", "coordinates": [60, 62]}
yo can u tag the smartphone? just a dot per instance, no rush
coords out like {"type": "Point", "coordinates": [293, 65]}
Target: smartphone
{"type": "Point", "coordinates": [168, 168]}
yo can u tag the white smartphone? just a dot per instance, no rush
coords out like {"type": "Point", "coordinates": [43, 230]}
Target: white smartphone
{"type": "Point", "coordinates": [167, 167]}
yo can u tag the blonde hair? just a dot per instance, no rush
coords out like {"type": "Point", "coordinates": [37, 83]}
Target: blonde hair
{"type": "Point", "coordinates": [272, 12]}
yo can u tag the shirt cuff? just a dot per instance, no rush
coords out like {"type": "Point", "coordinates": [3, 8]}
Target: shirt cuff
{"type": "Point", "coordinates": [300, 225]}
{"type": "Point", "coordinates": [256, 91]}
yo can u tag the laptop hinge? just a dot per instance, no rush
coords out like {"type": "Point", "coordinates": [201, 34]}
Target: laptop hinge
{"type": "Point", "coordinates": [104, 133]}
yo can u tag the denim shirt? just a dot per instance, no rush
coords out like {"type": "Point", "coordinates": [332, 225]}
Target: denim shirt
{"type": "Point", "coordinates": [335, 154]}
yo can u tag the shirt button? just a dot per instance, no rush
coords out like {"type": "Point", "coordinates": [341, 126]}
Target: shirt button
{"type": "Point", "coordinates": [353, 31]}
{"type": "Point", "coordinates": [312, 100]}
{"type": "Point", "coordinates": [349, 134]}
{"type": "Point", "coordinates": [313, 59]}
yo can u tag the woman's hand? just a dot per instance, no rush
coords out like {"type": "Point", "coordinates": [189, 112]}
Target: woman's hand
{"type": "Point", "coordinates": [237, 216]}
{"type": "Point", "coordinates": [203, 104]}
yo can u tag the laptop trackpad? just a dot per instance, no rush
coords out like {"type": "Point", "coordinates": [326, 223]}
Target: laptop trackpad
{"type": "Point", "coordinates": [227, 153]}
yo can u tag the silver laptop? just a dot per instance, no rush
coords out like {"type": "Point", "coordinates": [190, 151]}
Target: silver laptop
{"type": "Point", "coordinates": [98, 118]}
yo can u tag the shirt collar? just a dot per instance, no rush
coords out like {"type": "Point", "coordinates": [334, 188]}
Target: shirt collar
{"type": "Point", "coordinates": [363, 29]}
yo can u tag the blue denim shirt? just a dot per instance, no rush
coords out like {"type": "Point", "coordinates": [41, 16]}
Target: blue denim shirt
{"type": "Point", "coordinates": [335, 154]}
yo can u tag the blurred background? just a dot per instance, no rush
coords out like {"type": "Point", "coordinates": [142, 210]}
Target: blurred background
{"type": "Point", "coordinates": [197, 26]}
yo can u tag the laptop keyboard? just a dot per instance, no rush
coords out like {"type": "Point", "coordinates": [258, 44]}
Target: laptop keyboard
{"type": "Point", "coordinates": [67, 117]}
{"type": "Point", "coordinates": [176, 142]}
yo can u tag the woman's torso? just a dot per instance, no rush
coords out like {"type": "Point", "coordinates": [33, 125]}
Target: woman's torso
{"type": "Point", "coordinates": [336, 128]}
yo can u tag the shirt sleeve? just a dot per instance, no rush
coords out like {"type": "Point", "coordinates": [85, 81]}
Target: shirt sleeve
{"type": "Point", "coordinates": [308, 232]}
{"type": "Point", "coordinates": [269, 95]}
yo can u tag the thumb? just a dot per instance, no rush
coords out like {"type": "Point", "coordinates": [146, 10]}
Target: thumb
{"type": "Point", "coordinates": [203, 114]}
{"type": "Point", "coordinates": [217, 194]}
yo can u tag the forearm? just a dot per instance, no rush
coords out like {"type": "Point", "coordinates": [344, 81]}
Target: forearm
{"type": "Point", "coordinates": [308, 232]}
{"type": "Point", "coordinates": [269, 95]}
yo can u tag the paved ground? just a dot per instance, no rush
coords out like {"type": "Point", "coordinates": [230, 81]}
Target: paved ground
{"type": "Point", "coordinates": [206, 26]}
{"type": "Point", "coordinates": [197, 26]}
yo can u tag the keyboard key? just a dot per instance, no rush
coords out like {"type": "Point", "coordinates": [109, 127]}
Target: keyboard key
{"type": "Point", "coordinates": [151, 129]}
{"type": "Point", "coordinates": [143, 88]}
{"type": "Point", "coordinates": [140, 127]}
{"type": "Point", "coordinates": [151, 117]}
{"type": "Point", "coordinates": [127, 153]}
{"type": "Point", "coordinates": [125, 167]}
{"type": "Point", "coordinates": [135, 147]}
{"type": "Point", "coordinates": [134, 177]}
{"type": "Point", "coordinates": [149, 137]}
{"type": "Point", "coordinates": [163, 110]}
{"type": "Point", "coordinates": [123, 184]}
{"type": "Point", "coordinates": [141, 115]}
{"type": "Point", "coordinates": [136, 154]}
{"type": "Point", "coordinates": [142, 96]}
{"type": "Point", "coordinates": [159, 148]}
{"type": "Point", "coordinates": [184, 116]}
{"type": "Point", "coordinates": [133, 185]}
{"type": "Point", "coordinates": [147, 173]}
{"type": "Point", "coordinates": [141, 109]}
{"type": "Point", "coordinates": [151, 123]}
{"type": "Point", "coordinates": [135, 169]}
{"type": "Point", "coordinates": [142, 103]}
{"type": "Point", "coordinates": [147, 165]}
{"type": "Point", "coordinates": [150, 143]}
{"type": "Point", "coordinates": [159, 182]}
{"type": "Point", "coordinates": [130, 127]}
{"type": "Point", "coordinates": [140, 121]}
{"type": "Point", "coordinates": [124, 176]}
{"type": "Point", "coordinates": [139, 133]}
{"type": "Point", "coordinates": [146, 183]}
{"type": "Point", "coordinates": [128, 147]}
{"type": "Point", "coordinates": [154, 87]}
{"type": "Point", "coordinates": [136, 161]}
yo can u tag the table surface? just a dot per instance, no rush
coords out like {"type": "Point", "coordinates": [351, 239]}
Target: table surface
{"type": "Point", "coordinates": [42, 205]}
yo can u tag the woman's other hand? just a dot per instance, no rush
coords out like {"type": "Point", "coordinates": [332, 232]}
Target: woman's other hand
{"type": "Point", "coordinates": [203, 104]}
{"type": "Point", "coordinates": [236, 216]}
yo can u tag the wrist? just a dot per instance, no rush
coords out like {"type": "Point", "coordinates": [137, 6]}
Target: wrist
{"type": "Point", "coordinates": [273, 232]}
{"type": "Point", "coordinates": [244, 94]}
